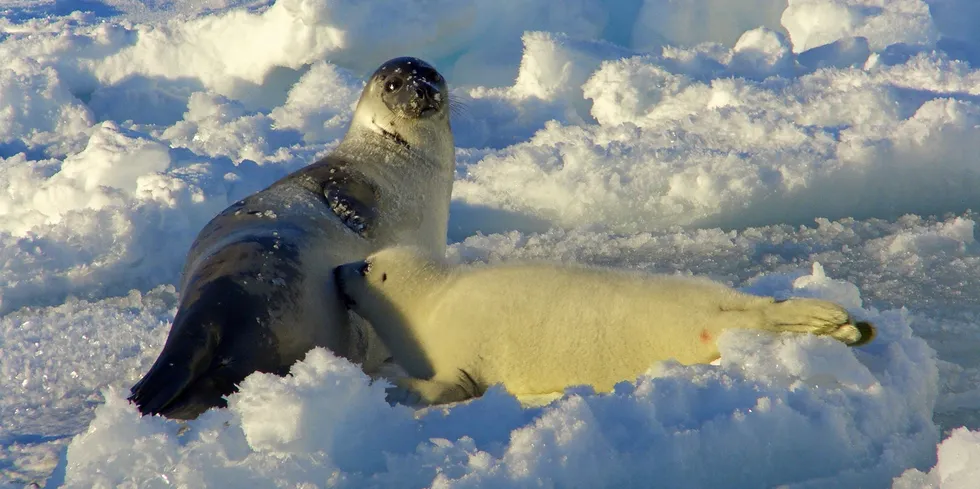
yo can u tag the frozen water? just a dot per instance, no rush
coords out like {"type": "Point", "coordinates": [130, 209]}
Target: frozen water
{"type": "Point", "coordinates": [822, 148]}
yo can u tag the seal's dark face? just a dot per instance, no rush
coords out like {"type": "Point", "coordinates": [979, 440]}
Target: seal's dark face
{"type": "Point", "coordinates": [406, 101]}
{"type": "Point", "coordinates": [411, 88]}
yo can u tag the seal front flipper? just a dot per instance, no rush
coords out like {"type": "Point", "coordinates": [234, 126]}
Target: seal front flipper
{"type": "Point", "coordinates": [352, 197]}
{"type": "Point", "coordinates": [411, 390]}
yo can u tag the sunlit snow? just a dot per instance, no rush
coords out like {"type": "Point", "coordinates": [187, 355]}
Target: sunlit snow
{"type": "Point", "coordinates": [822, 148]}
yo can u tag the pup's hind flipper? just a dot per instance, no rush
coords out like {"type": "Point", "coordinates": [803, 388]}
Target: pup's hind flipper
{"type": "Point", "coordinates": [819, 317]}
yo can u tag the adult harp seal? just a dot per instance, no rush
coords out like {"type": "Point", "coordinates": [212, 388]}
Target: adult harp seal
{"type": "Point", "coordinates": [258, 289]}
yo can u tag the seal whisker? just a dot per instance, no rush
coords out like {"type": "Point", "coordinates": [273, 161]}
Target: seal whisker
{"type": "Point", "coordinates": [458, 108]}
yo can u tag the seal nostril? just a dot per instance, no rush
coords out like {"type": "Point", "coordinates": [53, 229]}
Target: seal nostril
{"type": "Point", "coordinates": [420, 93]}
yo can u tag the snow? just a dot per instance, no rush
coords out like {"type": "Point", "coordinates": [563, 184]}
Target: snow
{"type": "Point", "coordinates": [820, 148]}
{"type": "Point", "coordinates": [851, 414]}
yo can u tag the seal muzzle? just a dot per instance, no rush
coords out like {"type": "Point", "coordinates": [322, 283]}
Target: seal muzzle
{"type": "Point", "coordinates": [411, 88]}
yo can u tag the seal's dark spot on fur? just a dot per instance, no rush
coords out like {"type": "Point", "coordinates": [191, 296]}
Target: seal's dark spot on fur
{"type": "Point", "coordinates": [396, 138]}
{"type": "Point", "coordinates": [352, 197]}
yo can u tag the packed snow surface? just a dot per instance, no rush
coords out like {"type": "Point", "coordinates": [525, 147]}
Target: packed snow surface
{"type": "Point", "coordinates": [820, 148]}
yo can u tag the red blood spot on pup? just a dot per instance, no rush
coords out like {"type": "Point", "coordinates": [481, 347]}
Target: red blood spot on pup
{"type": "Point", "coordinates": [705, 336]}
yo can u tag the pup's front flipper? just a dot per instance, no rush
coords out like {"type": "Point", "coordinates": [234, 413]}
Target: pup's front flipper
{"type": "Point", "coordinates": [819, 317]}
{"type": "Point", "coordinates": [410, 390]}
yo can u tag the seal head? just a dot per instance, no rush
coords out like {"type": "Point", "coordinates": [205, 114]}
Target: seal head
{"type": "Point", "coordinates": [411, 88]}
{"type": "Point", "coordinates": [407, 101]}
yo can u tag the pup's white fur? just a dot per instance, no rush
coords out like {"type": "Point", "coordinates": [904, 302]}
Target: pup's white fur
{"type": "Point", "coordinates": [538, 328]}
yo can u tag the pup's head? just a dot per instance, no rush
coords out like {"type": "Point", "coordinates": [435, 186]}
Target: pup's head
{"type": "Point", "coordinates": [397, 277]}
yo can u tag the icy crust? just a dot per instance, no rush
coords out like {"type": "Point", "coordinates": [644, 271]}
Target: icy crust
{"type": "Point", "coordinates": [678, 143]}
{"type": "Point", "coordinates": [924, 264]}
{"type": "Point", "coordinates": [121, 210]}
{"type": "Point", "coordinates": [881, 259]}
{"type": "Point", "coordinates": [255, 55]}
{"type": "Point", "coordinates": [641, 141]}
{"type": "Point", "coordinates": [958, 466]}
{"type": "Point", "coordinates": [116, 215]}
{"type": "Point", "coordinates": [643, 133]}
{"type": "Point", "coordinates": [146, 72]}
{"type": "Point", "coordinates": [39, 111]}
{"type": "Point", "coordinates": [796, 410]}
{"type": "Point", "coordinates": [55, 360]}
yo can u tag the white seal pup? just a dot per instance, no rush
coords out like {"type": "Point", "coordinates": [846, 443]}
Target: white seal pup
{"type": "Point", "coordinates": [537, 328]}
{"type": "Point", "coordinates": [257, 289]}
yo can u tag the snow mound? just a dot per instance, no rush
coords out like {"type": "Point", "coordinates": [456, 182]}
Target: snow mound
{"type": "Point", "coordinates": [813, 23]}
{"type": "Point", "coordinates": [38, 110]}
{"type": "Point", "coordinates": [671, 148]}
{"type": "Point", "coordinates": [958, 466]}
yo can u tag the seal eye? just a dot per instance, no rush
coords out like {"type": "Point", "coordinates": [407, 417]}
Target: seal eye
{"type": "Point", "coordinates": [393, 85]}
{"type": "Point", "coordinates": [364, 269]}
{"type": "Point", "coordinates": [384, 277]}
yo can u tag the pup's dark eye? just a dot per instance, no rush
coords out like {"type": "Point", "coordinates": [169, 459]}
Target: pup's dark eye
{"type": "Point", "coordinates": [393, 85]}
{"type": "Point", "coordinates": [384, 276]}
{"type": "Point", "coordinates": [365, 268]}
